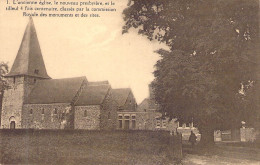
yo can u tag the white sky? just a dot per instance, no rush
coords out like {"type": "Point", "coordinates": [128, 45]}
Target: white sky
{"type": "Point", "coordinates": [91, 47]}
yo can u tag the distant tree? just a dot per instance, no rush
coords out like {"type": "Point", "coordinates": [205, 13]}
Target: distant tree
{"type": "Point", "coordinates": [212, 58]}
{"type": "Point", "coordinates": [3, 84]}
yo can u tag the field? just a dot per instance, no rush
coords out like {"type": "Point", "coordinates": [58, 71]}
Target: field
{"type": "Point", "coordinates": [85, 147]}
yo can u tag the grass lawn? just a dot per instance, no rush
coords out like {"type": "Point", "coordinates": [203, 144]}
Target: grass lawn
{"type": "Point", "coordinates": [84, 147]}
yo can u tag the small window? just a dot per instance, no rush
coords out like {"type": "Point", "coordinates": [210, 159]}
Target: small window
{"type": "Point", "coordinates": [14, 80]}
{"type": "Point", "coordinates": [42, 111]}
{"type": "Point", "coordinates": [109, 115]}
{"type": "Point", "coordinates": [55, 111]}
{"type": "Point", "coordinates": [85, 113]}
{"type": "Point", "coordinates": [34, 80]}
{"type": "Point", "coordinates": [36, 71]}
{"type": "Point", "coordinates": [120, 117]}
{"type": "Point", "coordinates": [133, 117]}
{"type": "Point", "coordinates": [158, 123]}
{"type": "Point", "coordinates": [31, 111]}
{"type": "Point", "coordinates": [164, 123]}
{"type": "Point", "coordinates": [127, 117]}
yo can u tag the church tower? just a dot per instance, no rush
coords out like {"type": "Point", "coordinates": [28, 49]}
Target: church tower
{"type": "Point", "coordinates": [27, 69]}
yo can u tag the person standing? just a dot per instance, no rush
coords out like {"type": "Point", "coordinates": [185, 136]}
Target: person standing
{"type": "Point", "coordinates": [192, 139]}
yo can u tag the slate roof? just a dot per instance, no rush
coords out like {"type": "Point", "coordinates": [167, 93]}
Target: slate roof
{"type": "Point", "coordinates": [144, 105]}
{"type": "Point", "coordinates": [120, 95]}
{"type": "Point", "coordinates": [29, 60]}
{"type": "Point", "coordinates": [93, 95]}
{"type": "Point", "coordinates": [55, 91]}
{"type": "Point", "coordinates": [98, 83]}
{"type": "Point", "coordinates": [147, 105]}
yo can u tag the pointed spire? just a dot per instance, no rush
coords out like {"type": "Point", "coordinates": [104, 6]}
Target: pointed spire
{"type": "Point", "coordinates": [29, 60]}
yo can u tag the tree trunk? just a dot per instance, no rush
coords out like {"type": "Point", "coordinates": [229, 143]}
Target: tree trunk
{"type": "Point", "coordinates": [207, 137]}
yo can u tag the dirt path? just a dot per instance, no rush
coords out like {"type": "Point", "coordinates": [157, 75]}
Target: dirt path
{"type": "Point", "coordinates": [216, 160]}
{"type": "Point", "coordinates": [224, 155]}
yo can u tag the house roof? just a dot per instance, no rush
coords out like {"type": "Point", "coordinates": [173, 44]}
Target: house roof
{"type": "Point", "coordinates": [144, 105]}
{"type": "Point", "coordinates": [98, 83]}
{"type": "Point", "coordinates": [55, 91]}
{"type": "Point", "coordinates": [120, 95]}
{"type": "Point", "coordinates": [29, 60]}
{"type": "Point", "coordinates": [147, 105]}
{"type": "Point", "coordinates": [93, 95]}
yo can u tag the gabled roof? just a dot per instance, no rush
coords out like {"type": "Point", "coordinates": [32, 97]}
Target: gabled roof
{"type": "Point", "coordinates": [29, 60]}
{"type": "Point", "coordinates": [98, 83]}
{"type": "Point", "coordinates": [120, 95]}
{"type": "Point", "coordinates": [55, 90]}
{"type": "Point", "coordinates": [144, 105]}
{"type": "Point", "coordinates": [147, 105]}
{"type": "Point", "coordinates": [93, 95]}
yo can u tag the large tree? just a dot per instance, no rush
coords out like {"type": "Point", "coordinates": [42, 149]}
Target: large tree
{"type": "Point", "coordinates": [212, 62]}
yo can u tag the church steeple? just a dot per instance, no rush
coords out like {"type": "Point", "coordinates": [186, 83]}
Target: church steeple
{"type": "Point", "coordinates": [29, 60]}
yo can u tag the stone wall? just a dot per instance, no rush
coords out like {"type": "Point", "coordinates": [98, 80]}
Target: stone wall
{"type": "Point", "coordinates": [13, 99]}
{"type": "Point", "coordinates": [13, 102]}
{"type": "Point", "coordinates": [45, 116]}
{"type": "Point", "coordinates": [108, 116]}
{"type": "Point", "coordinates": [130, 103]}
{"type": "Point", "coordinates": [87, 117]}
{"type": "Point", "coordinates": [145, 121]}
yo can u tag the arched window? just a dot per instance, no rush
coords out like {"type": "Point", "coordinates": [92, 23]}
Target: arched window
{"type": "Point", "coordinates": [42, 111]}
{"type": "Point", "coordinates": [85, 113]}
{"type": "Point", "coordinates": [31, 111]}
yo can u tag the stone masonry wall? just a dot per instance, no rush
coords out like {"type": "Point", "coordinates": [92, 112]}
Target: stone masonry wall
{"type": "Point", "coordinates": [45, 116]}
{"type": "Point", "coordinates": [13, 99]}
{"type": "Point", "coordinates": [130, 103]}
{"type": "Point", "coordinates": [108, 116]}
{"type": "Point", "coordinates": [12, 103]}
{"type": "Point", "coordinates": [87, 117]}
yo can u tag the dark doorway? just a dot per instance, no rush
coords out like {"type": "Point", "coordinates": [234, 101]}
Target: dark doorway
{"type": "Point", "coordinates": [12, 125]}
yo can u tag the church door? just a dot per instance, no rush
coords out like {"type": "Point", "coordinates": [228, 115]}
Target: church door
{"type": "Point", "coordinates": [12, 125]}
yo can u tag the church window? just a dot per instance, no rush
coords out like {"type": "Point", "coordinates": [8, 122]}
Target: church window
{"type": "Point", "coordinates": [31, 111]}
{"type": "Point", "coordinates": [55, 111]}
{"type": "Point", "coordinates": [36, 71]}
{"type": "Point", "coordinates": [42, 111]}
{"type": "Point", "coordinates": [85, 113]}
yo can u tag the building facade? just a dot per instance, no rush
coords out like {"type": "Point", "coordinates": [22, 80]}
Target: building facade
{"type": "Point", "coordinates": [36, 101]}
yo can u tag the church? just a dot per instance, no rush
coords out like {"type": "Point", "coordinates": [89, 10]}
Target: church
{"type": "Point", "coordinates": [36, 101]}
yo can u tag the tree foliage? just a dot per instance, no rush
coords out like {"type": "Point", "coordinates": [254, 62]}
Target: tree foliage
{"type": "Point", "coordinates": [3, 83]}
{"type": "Point", "coordinates": [3, 71]}
{"type": "Point", "coordinates": [212, 62]}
